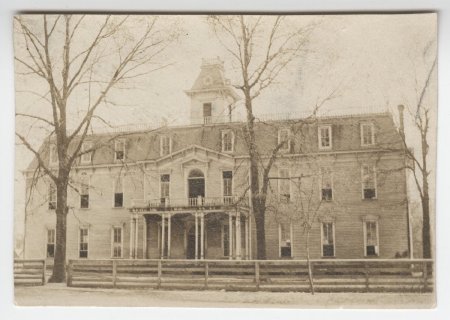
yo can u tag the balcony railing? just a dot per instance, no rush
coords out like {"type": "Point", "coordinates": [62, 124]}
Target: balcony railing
{"type": "Point", "coordinates": [168, 203]}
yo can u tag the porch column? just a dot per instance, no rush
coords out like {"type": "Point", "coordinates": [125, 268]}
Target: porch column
{"type": "Point", "coordinates": [131, 237]}
{"type": "Point", "coordinates": [196, 235]}
{"type": "Point", "coordinates": [136, 237]}
{"type": "Point", "coordinates": [144, 239]}
{"type": "Point", "coordinates": [202, 235]}
{"type": "Point", "coordinates": [238, 235]}
{"type": "Point", "coordinates": [163, 236]}
{"type": "Point", "coordinates": [246, 236]}
{"type": "Point", "coordinates": [169, 233]}
{"type": "Point", "coordinates": [230, 234]}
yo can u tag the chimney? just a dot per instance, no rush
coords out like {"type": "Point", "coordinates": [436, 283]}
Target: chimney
{"type": "Point", "coordinates": [401, 108]}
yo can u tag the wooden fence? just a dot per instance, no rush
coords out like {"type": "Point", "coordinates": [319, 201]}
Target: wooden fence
{"type": "Point", "coordinates": [29, 272]}
{"type": "Point", "coordinates": [254, 275]}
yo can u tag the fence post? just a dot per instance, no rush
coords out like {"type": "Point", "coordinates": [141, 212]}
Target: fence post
{"type": "Point", "coordinates": [159, 273]}
{"type": "Point", "coordinates": [206, 274]}
{"type": "Point", "coordinates": [114, 273]}
{"type": "Point", "coordinates": [425, 275]}
{"type": "Point", "coordinates": [44, 267]}
{"type": "Point", "coordinates": [366, 274]}
{"type": "Point", "coordinates": [257, 280]}
{"type": "Point", "coordinates": [69, 273]}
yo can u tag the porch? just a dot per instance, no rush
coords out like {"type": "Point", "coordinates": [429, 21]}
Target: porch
{"type": "Point", "coordinates": [191, 228]}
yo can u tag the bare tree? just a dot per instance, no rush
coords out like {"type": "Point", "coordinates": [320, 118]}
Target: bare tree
{"type": "Point", "coordinates": [78, 61]}
{"type": "Point", "coordinates": [422, 116]}
{"type": "Point", "coordinates": [262, 47]}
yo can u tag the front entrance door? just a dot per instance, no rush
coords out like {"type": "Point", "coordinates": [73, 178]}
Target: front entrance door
{"type": "Point", "coordinates": [190, 250]}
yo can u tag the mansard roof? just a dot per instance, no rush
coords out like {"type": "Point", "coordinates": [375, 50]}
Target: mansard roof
{"type": "Point", "coordinates": [144, 145]}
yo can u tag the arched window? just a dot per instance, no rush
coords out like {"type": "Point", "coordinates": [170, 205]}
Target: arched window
{"type": "Point", "coordinates": [196, 173]}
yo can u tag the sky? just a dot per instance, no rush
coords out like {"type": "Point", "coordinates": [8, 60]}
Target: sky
{"type": "Point", "coordinates": [371, 62]}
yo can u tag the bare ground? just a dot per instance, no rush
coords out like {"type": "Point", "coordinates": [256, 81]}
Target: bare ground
{"type": "Point", "coordinates": [60, 295]}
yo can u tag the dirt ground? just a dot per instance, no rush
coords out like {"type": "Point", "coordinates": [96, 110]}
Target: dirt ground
{"type": "Point", "coordinates": [60, 295]}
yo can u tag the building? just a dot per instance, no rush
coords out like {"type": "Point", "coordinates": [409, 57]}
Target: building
{"type": "Point", "coordinates": [182, 192]}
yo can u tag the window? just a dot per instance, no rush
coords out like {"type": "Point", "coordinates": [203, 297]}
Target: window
{"type": "Point", "coordinates": [326, 184]}
{"type": "Point", "coordinates": [165, 145]}
{"type": "Point", "coordinates": [328, 239]}
{"type": "Point", "coordinates": [325, 140]}
{"type": "Point", "coordinates": [284, 240]}
{"type": "Point", "coordinates": [371, 238]}
{"type": "Point", "coordinates": [84, 191]}
{"type": "Point", "coordinates": [207, 113]}
{"type": "Point", "coordinates": [53, 154]}
{"type": "Point", "coordinates": [118, 193]}
{"type": "Point", "coordinates": [165, 188]}
{"type": "Point", "coordinates": [52, 196]}
{"type": "Point", "coordinates": [367, 134]}
{"type": "Point", "coordinates": [84, 242]}
{"type": "Point", "coordinates": [86, 157]}
{"type": "Point", "coordinates": [369, 189]}
{"type": "Point", "coordinates": [284, 185]}
{"type": "Point", "coordinates": [116, 250]}
{"type": "Point", "coordinates": [226, 240]}
{"type": "Point", "coordinates": [119, 150]}
{"type": "Point", "coordinates": [50, 243]}
{"type": "Point", "coordinates": [227, 141]}
{"type": "Point", "coordinates": [227, 177]}
{"type": "Point", "coordinates": [284, 137]}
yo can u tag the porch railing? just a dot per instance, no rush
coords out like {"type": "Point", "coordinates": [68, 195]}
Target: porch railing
{"type": "Point", "coordinates": [188, 202]}
{"type": "Point", "coordinates": [378, 275]}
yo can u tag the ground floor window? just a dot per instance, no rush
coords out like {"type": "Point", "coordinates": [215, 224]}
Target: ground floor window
{"type": "Point", "coordinates": [84, 242]}
{"type": "Point", "coordinates": [117, 243]}
{"type": "Point", "coordinates": [371, 238]}
{"type": "Point", "coordinates": [226, 240]}
{"type": "Point", "coordinates": [285, 240]}
{"type": "Point", "coordinates": [50, 243]}
{"type": "Point", "coordinates": [328, 239]}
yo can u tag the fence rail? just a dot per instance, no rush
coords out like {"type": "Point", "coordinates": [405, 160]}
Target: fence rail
{"type": "Point", "coordinates": [254, 275]}
{"type": "Point", "coordinates": [29, 272]}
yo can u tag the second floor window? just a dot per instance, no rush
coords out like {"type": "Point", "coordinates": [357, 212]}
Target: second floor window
{"type": "Point", "coordinates": [86, 157]}
{"type": "Point", "coordinates": [369, 187]}
{"type": "Point", "coordinates": [53, 154]}
{"type": "Point", "coordinates": [165, 187]}
{"type": "Point", "coordinates": [325, 138]}
{"type": "Point", "coordinates": [227, 141]}
{"type": "Point", "coordinates": [84, 192]}
{"type": "Point", "coordinates": [207, 112]}
{"type": "Point", "coordinates": [284, 185]}
{"type": "Point", "coordinates": [227, 177]}
{"type": "Point", "coordinates": [84, 242]}
{"type": "Point", "coordinates": [119, 150]}
{"type": "Point", "coordinates": [165, 145]}
{"type": "Point", "coordinates": [284, 139]}
{"type": "Point", "coordinates": [118, 193]}
{"type": "Point", "coordinates": [52, 196]}
{"type": "Point", "coordinates": [328, 239]}
{"type": "Point", "coordinates": [50, 243]}
{"type": "Point", "coordinates": [327, 184]}
{"type": "Point", "coordinates": [367, 134]}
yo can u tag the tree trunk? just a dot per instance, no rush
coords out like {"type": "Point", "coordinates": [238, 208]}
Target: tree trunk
{"type": "Point", "coordinates": [426, 234]}
{"type": "Point", "coordinates": [259, 212]}
{"type": "Point", "coordinates": [59, 266]}
{"type": "Point", "coordinates": [308, 261]}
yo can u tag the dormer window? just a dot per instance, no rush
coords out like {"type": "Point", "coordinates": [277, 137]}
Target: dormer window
{"type": "Point", "coordinates": [86, 157]}
{"type": "Point", "coordinates": [367, 134]}
{"type": "Point", "coordinates": [165, 145]}
{"type": "Point", "coordinates": [227, 141]}
{"type": "Point", "coordinates": [119, 150]}
{"type": "Point", "coordinates": [284, 139]}
{"type": "Point", "coordinates": [325, 138]}
{"type": "Point", "coordinates": [207, 113]}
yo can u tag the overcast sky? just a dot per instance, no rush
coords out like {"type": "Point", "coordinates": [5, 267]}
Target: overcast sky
{"type": "Point", "coordinates": [372, 60]}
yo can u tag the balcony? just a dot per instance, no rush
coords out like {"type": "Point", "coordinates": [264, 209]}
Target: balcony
{"type": "Point", "coordinates": [181, 204]}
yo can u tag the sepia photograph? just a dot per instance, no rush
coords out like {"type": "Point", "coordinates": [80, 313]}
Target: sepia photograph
{"type": "Point", "coordinates": [228, 160]}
